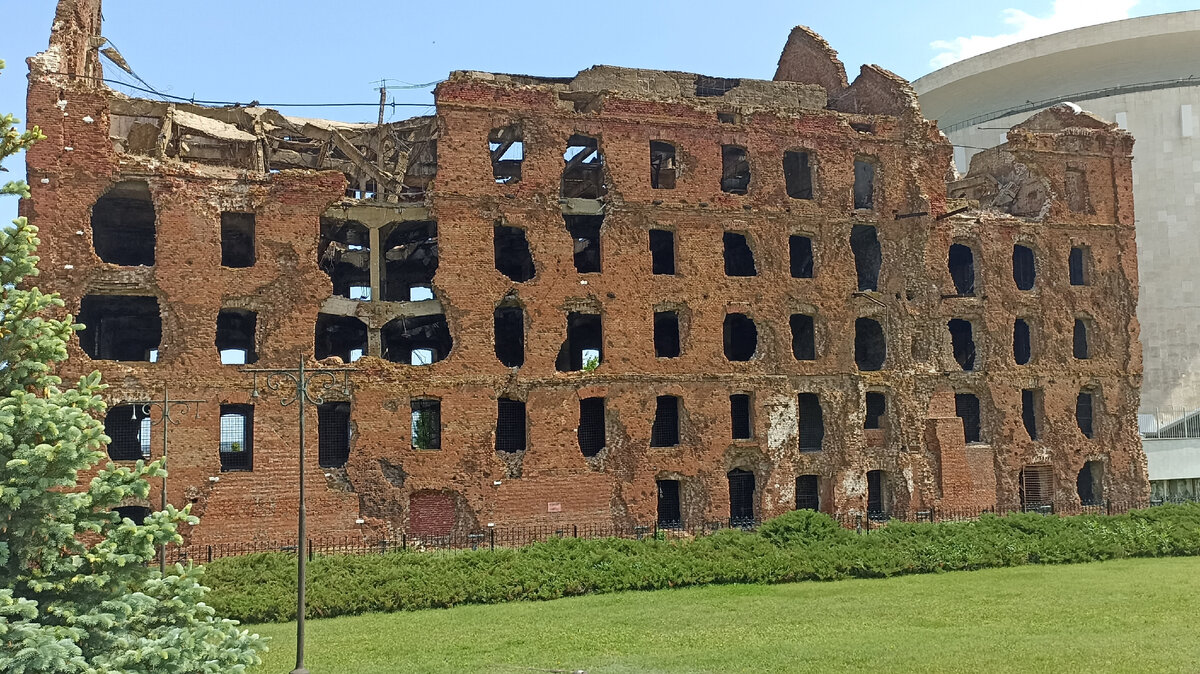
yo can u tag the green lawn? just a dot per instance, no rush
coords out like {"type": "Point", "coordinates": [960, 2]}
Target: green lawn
{"type": "Point", "coordinates": [1136, 615]}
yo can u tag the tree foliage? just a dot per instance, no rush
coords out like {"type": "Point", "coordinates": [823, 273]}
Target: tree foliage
{"type": "Point", "coordinates": [77, 590]}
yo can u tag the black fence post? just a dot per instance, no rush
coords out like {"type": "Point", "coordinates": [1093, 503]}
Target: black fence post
{"type": "Point", "coordinates": [210, 553]}
{"type": "Point", "coordinates": [1108, 506]}
{"type": "Point", "coordinates": [404, 542]}
{"type": "Point", "coordinates": [575, 527]}
{"type": "Point", "coordinates": [310, 550]}
{"type": "Point", "coordinates": [492, 536]}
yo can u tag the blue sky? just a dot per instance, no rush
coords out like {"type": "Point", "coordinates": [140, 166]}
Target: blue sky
{"type": "Point", "coordinates": [310, 51]}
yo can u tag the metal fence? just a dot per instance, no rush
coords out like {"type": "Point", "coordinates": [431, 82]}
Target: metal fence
{"type": "Point", "coordinates": [1169, 423]}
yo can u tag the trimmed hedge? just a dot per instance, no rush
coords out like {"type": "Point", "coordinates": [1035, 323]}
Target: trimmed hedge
{"type": "Point", "coordinates": [801, 545]}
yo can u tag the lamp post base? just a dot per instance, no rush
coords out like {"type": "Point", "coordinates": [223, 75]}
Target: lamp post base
{"type": "Point", "coordinates": [300, 670]}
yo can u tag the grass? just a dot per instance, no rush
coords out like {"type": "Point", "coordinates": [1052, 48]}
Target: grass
{"type": "Point", "coordinates": [1123, 615]}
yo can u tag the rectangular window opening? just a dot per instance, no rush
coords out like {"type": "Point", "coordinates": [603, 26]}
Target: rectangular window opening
{"type": "Point", "coordinates": [739, 257]}
{"type": "Point", "coordinates": [585, 238]}
{"type": "Point", "coordinates": [966, 407]}
{"type": "Point", "coordinates": [741, 416]}
{"type": "Point", "coordinates": [584, 346]}
{"type": "Point", "coordinates": [512, 255]}
{"type": "Point", "coordinates": [1022, 342]}
{"type": "Point", "coordinates": [591, 426]}
{"type": "Point", "coordinates": [669, 512]}
{"type": "Point", "coordinates": [1077, 265]}
{"type": "Point", "coordinates": [666, 334]}
{"type": "Point", "coordinates": [510, 425]}
{"type": "Point", "coordinates": [128, 426]}
{"type": "Point", "coordinates": [344, 253]}
{"type": "Point", "coordinates": [1080, 347]}
{"type": "Point", "coordinates": [120, 327]}
{"type": "Point", "coordinates": [714, 86]}
{"type": "Point", "coordinates": [812, 422]}
{"type": "Point", "coordinates": [1084, 408]}
{"type": "Point", "coordinates": [509, 326]}
{"type": "Point", "coordinates": [583, 171]}
{"type": "Point", "coordinates": [237, 239]}
{"type": "Point", "coordinates": [665, 430]}
{"type": "Point", "coordinates": [333, 434]}
{"type": "Point", "coordinates": [877, 497]}
{"type": "Point", "coordinates": [662, 251]}
{"type": "Point", "coordinates": [663, 169]}
{"type": "Point", "coordinates": [800, 251]}
{"type": "Point", "coordinates": [236, 336]}
{"type": "Point", "coordinates": [808, 492]}
{"type": "Point", "coordinates": [735, 169]}
{"type": "Point", "coordinates": [1037, 487]}
{"type": "Point", "coordinates": [237, 437]}
{"type": "Point", "coordinates": [962, 342]}
{"type": "Point", "coordinates": [426, 423]}
{"type": "Point", "coordinates": [508, 153]}
{"type": "Point", "coordinates": [797, 175]}
{"type": "Point", "coordinates": [1031, 412]}
{"type": "Point", "coordinates": [876, 410]}
{"type": "Point", "coordinates": [868, 256]}
{"type": "Point", "coordinates": [804, 341]}
{"type": "Point", "coordinates": [1024, 268]}
{"type": "Point", "coordinates": [864, 184]}
{"type": "Point", "coordinates": [1090, 484]}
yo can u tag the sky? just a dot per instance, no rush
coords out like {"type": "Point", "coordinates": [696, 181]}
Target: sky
{"type": "Point", "coordinates": [307, 51]}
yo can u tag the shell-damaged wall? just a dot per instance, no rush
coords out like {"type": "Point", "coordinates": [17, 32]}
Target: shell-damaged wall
{"type": "Point", "coordinates": [303, 179]}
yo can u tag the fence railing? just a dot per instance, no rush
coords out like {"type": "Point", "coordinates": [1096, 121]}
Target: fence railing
{"type": "Point", "coordinates": [1169, 423]}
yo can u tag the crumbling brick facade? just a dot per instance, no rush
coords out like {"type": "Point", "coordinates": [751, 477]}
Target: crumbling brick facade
{"type": "Point", "coordinates": [622, 297]}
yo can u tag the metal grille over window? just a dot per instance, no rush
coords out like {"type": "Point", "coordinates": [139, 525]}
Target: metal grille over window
{"type": "Point", "coordinates": [237, 437]}
{"type": "Point", "coordinates": [739, 411]}
{"type": "Point", "coordinates": [877, 506]}
{"type": "Point", "coordinates": [591, 426]}
{"type": "Point", "coordinates": [1037, 487]}
{"type": "Point", "coordinates": [333, 434]}
{"type": "Point", "coordinates": [665, 430]}
{"type": "Point", "coordinates": [812, 422]}
{"type": "Point", "coordinates": [129, 428]}
{"type": "Point", "coordinates": [966, 407]}
{"type": "Point", "coordinates": [741, 498]}
{"type": "Point", "coordinates": [510, 425]}
{"type": "Point", "coordinates": [1083, 413]}
{"type": "Point", "coordinates": [426, 424]}
{"type": "Point", "coordinates": [808, 495]}
{"type": "Point", "coordinates": [669, 512]}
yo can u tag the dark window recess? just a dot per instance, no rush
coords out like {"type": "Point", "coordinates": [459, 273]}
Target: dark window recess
{"type": "Point", "coordinates": [812, 422]}
{"type": "Point", "coordinates": [662, 251]}
{"type": "Point", "coordinates": [123, 225]}
{"type": "Point", "coordinates": [740, 416]}
{"type": "Point", "coordinates": [1037, 487]}
{"type": "Point", "coordinates": [735, 169]}
{"type": "Point", "coordinates": [962, 269]}
{"type": "Point", "coordinates": [1022, 342]}
{"type": "Point", "coordinates": [876, 409]}
{"type": "Point", "coordinates": [510, 425]}
{"type": "Point", "coordinates": [966, 407]}
{"type": "Point", "coordinates": [662, 165]}
{"type": "Point", "coordinates": [237, 239]}
{"type": "Point", "coordinates": [1080, 340]}
{"type": "Point", "coordinates": [740, 336]}
{"type": "Point", "coordinates": [237, 437]}
{"type": "Point", "coordinates": [583, 172]}
{"type": "Point", "coordinates": [876, 500]}
{"type": "Point", "coordinates": [666, 334]}
{"type": "Point", "coordinates": [715, 86]}
{"type": "Point", "coordinates": [1090, 484]}
{"type": "Point", "coordinates": [729, 118]}
{"type": "Point", "coordinates": [739, 258]}
{"type": "Point", "coordinates": [341, 336]}
{"type": "Point", "coordinates": [962, 342]}
{"type": "Point", "coordinates": [800, 256]}
{"type": "Point", "coordinates": [741, 498]}
{"type": "Point", "coordinates": [1024, 267]}
{"type": "Point", "coordinates": [591, 426]}
{"type": "Point", "coordinates": [585, 239]}
{"type": "Point", "coordinates": [333, 434]}
{"type": "Point", "coordinates": [584, 347]}
{"type": "Point", "coordinates": [1083, 413]}
{"type": "Point", "coordinates": [669, 512]}
{"type": "Point", "coordinates": [507, 149]}
{"type": "Point", "coordinates": [513, 258]}
{"type": "Point", "coordinates": [808, 492]}
{"type": "Point", "coordinates": [508, 322]}
{"type": "Point", "coordinates": [870, 345]}
{"type": "Point", "coordinates": [665, 430]}
{"type": "Point", "coordinates": [1077, 266]}
{"type": "Point", "coordinates": [410, 259]}
{"type": "Point", "coordinates": [426, 423]}
{"type": "Point", "coordinates": [344, 253]}
{"type": "Point", "coordinates": [804, 340]}
{"type": "Point", "coordinates": [867, 256]}
{"type": "Point", "coordinates": [128, 426]}
{"type": "Point", "coordinates": [235, 336]}
{"type": "Point", "coordinates": [1078, 199]}
{"type": "Point", "coordinates": [416, 341]}
{"type": "Point", "coordinates": [138, 514]}
{"type": "Point", "coordinates": [120, 327]}
{"type": "Point", "coordinates": [864, 184]}
{"type": "Point", "coordinates": [797, 175]}
{"type": "Point", "coordinates": [1031, 413]}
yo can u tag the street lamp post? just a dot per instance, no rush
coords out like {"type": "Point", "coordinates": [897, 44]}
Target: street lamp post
{"type": "Point", "coordinates": [301, 386]}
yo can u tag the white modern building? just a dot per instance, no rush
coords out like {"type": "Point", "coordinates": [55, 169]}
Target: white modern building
{"type": "Point", "coordinates": [1144, 74]}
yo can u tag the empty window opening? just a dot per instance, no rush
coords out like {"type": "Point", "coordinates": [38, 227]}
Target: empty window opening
{"type": "Point", "coordinates": [870, 347]}
{"type": "Point", "coordinates": [508, 152]}
{"type": "Point", "coordinates": [583, 173]}
{"type": "Point", "coordinates": [410, 259]}
{"type": "Point", "coordinates": [665, 430]}
{"type": "Point", "coordinates": [797, 175]}
{"type": "Point", "coordinates": [962, 269]}
{"type": "Point", "coordinates": [741, 498]}
{"type": "Point", "coordinates": [237, 437]}
{"type": "Point", "coordinates": [426, 423]}
{"type": "Point", "coordinates": [864, 183]}
{"type": "Point", "coordinates": [663, 170]}
{"type": "Point", "coordinates": [513, 258]}
{"type": "Point", "coordinates": [423, 340]}
{"type": "Point", "coordinates": [740, 336]}
{"type": "Point", "coordinates": [1084, 408]}
{"type": "Point", "coordinates": [962, 342]}
{"type": "Point", "coordinates": [666, 334]}
{"type": "Point", "coordinates": [237, 239]}
{"type": "Point", "coordinates": [812, 422]}
{"type": "Point", "coordinates": [138, 514]}
{"type": "Point", "coordinates": [235, 336]}
{"type": "Point", "coordinates": [1078, 266]}
{"type": "Point", "coordinates": [800, 256]}
{"type": "Point", "coordinates": [715, 86]}
{"type": "Point", "coordinates": [1037, 487]}
{"type": "Point", "coordinates": [662, 251]}
{"type": "Point", "coordinates": [123, 225]}
{"type": "Point", "coordinates": [1031, 412]}
{"type": "Point", "coordinates": [808, 492]}
{"type": "Point", "coordinates": [591, 426]}
{"type": "Point", "coordinates": [739, 258]}
{"type": "Point", "coordinates": [804, 340]}
{"type": "Point", "coordinates": [509, 324]}
{"type": "Point", "coordinates": [585, 238]}
{"type": "Point", "coordinates": [1090, 484]}
{"type": "Point", "coordinates": [876, 410]}
{"type": "Point", "coordinates": [735, 169]}
{"type": "Point", "coordinates": [120, 327]}
{"type": "Point", "coordinates": [510, 425]}
{"type": "Point", "coordinates": [877, 500]}
{"type": "Point", "coordinates": [740, 412]}
{"type": "Point", "coordinates": [729, 118]}
{"type": "Point", "coordinates": [584, 347]}
{"type": "Point", "coordinates": [1024, 268]}
{"type": "Point", "coordinates": [669, 512]}
{"type": "Point", "coordinates": [344, 253]}
{"type": "Point", "coordinates": [333, 434]}
{"type": "Point", "coordinates": [341, 336]}
{"type": "Point", "coordinates": [966, 407]}
{"type": "Point", "coordinates": [128, 426]}
{"type": "Point", "coordinates": [1078, 198]}
{"type": "Point", "coordinates": [1080, 346]}
{"type": "Point", "coordinates": [1022, 342]}
{"type": "Point", "coordinates": [867, 256]}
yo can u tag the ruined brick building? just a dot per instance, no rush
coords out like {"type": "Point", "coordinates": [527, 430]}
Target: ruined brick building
{"type": "Point", "coordinates": [622, 297]}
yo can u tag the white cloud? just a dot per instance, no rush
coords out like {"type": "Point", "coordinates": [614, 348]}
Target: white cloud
{"type": "Point", "coordinates": [1065, 15]}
